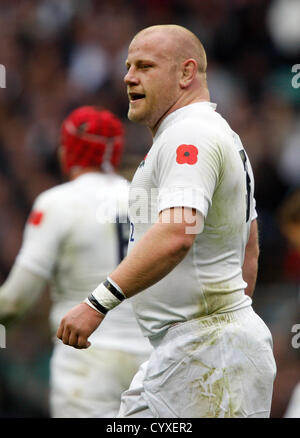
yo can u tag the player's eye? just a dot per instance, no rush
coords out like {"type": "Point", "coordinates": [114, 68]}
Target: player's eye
{"type": "Point", "coordinates": [144, 66]}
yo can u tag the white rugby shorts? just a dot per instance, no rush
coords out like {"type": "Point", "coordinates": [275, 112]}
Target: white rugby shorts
{"type": "Point", "coordinates": [89, 383]}
{"type": "Point", "coordinates": [213, 367]}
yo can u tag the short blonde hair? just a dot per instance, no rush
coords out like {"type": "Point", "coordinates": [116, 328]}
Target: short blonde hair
{"type": "Point", "coordinates": [188, 46]}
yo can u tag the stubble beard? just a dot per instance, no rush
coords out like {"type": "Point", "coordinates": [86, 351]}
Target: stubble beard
{"type": "Point", "coordinates": [150, 118]}
{"type": "Point", "coordinates": [139, 117]}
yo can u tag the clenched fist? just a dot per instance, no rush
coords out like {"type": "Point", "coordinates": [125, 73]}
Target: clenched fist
{"type": "Point", "coordinates": [78, 324]}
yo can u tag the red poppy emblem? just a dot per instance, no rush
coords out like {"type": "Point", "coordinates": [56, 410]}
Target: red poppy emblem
{"type": "Point", "coordinates": [187, 154]}
{"type": "Point", "coordinates": [36, 218]}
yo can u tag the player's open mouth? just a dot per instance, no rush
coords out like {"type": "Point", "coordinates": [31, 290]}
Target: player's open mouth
{"type": "Point", "coordinates": [133, 97]}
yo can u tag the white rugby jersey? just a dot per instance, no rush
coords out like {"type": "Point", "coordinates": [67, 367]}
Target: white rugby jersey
{"type": "Point", "coordinates": [196, 161]}
{"type": "Point", "coordinates": [73, 239]}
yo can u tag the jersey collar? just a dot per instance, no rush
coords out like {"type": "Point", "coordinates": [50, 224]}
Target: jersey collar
{"type": "Point", "coordinates": [182, 113]}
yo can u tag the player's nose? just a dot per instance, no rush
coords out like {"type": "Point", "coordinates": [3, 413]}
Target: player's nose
{"type": "Point", "coordinates": [131, 78]}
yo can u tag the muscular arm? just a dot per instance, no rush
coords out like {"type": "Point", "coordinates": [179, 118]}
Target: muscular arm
{"type": "Point", "coordinates": [158, 252]}
{"type": "Point", "coordinates": [250, 265]}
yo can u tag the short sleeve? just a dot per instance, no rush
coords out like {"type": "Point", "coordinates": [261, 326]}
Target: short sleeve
{"type": "Point", "coordinates": [253, 212]}
{"type": "Point", "coordinates": [43, 234]}
{"type": "Point", "coordinates": [190, 163]}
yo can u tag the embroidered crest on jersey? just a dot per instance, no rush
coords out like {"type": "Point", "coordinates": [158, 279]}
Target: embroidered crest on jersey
{"type": "Point", "coordinates": [186, 154]}
{"type": "Point", "coordinates": [36, 218]}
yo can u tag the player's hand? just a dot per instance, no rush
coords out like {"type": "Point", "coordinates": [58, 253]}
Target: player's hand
{"type": "Point", "coordinates": [78, 324]}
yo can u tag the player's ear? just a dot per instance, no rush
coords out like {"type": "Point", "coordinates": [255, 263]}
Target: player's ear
{"type": "Point", "coordinates": [188, 72]}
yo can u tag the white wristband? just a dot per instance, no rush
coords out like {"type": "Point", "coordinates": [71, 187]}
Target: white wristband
{"type": "Point", "coordinates": [106, 296]}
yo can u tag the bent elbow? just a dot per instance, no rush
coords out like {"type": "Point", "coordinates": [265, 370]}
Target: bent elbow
{"type": "Point", "coordinates": [181, 245]}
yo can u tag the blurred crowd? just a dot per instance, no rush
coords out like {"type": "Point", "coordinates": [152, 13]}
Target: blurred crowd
{"type": "Point", "coordinates": [59, 54]}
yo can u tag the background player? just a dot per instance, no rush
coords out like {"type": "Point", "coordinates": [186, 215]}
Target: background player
{"type": "Point", "coordinates": [77, 232]}
{"type": "Point", "coordinates": [213, 354]}
{"type": "Point", "coordinates": [289, 219]}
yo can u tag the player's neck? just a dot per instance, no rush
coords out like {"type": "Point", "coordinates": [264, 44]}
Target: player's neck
{"type": "Point", "coordinates": [182, 102]}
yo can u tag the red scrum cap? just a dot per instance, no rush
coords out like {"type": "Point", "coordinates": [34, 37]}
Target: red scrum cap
{"type": "Point", "coordinates": [91, 137]}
